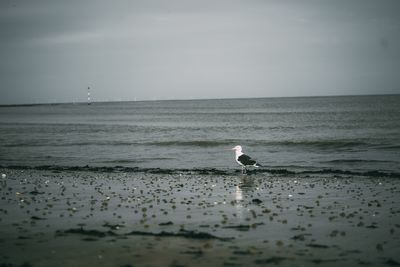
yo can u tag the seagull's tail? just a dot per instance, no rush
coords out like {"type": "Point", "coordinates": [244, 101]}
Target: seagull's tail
{"type": "Point", "coordinates": [257, 165]}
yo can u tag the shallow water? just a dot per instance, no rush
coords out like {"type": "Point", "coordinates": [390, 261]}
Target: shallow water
{"type": "Point", "coordinates": [349, 133]}
{"type": "Point", "coordinates": [87, 218]}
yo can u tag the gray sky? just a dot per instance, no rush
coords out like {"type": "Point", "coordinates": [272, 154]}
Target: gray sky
{"type": "Point", "coordinates": [51, 50]}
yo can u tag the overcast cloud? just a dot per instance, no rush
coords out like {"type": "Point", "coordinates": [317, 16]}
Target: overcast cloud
{"type": "Point", "coordinates": [51, 51]}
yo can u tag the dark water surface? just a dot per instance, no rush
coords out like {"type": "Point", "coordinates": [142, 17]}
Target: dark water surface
{"type": "Point", "coordinates": [347, 133]}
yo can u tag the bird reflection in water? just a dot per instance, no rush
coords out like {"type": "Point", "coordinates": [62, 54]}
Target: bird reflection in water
{"type": "Point", "coordinates": [244, 188]}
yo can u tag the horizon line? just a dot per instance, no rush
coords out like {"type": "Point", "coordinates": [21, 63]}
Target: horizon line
{"type": "Point", "coordinates": [188, 99]}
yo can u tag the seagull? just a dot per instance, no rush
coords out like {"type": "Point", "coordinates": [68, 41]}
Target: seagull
{"type": "Point", "coordinates": [244, 160]}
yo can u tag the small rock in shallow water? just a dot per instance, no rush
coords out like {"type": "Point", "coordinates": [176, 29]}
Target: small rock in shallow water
{"type": "Point", "coordinates": [166, 223]}
{"type": "Point", "coordinates": [256, 201]}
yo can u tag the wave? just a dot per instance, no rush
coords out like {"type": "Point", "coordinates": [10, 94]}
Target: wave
{"type": "Point", "coordinates": [128, 161]}
{"type": "Point", "coordinates": [390, 147]}
{"type": "Point", "coordinates": [320, 144]}
{"type": "Point", "coordinates": [195, 143]}
{"type": "Point", "coordinates": [302, 144]}
{"type": "Point", "coordinates": [68, 144]}
{"type": "Point", "coordinates": [355, 161]}
{"type": "Point", "coordinates": [206, 171]}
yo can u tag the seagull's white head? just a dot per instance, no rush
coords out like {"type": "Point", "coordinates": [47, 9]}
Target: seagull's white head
{"type": "Point", "coordinates": [238, 149]}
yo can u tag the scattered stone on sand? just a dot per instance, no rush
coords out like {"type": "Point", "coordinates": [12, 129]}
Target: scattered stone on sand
{"type": "Point", "coordinates": [199, 217]}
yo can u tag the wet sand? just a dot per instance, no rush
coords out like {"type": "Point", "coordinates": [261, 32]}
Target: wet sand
{"type": "Point", "coordinates": [86, 218]}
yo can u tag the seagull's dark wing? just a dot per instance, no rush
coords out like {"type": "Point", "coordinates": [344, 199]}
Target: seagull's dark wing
{"type": "Point", "coordinates": [246, 160]}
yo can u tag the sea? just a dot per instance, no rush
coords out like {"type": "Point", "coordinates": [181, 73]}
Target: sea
{"type": "Point", "coordinates": [354, 134]}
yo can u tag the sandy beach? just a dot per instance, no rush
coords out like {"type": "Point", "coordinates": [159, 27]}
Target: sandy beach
{"type": "Point", "coordinates": [82, 218]}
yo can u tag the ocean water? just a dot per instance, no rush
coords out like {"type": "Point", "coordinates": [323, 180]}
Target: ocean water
{"type": "Point", "coordinates": [346, 133]}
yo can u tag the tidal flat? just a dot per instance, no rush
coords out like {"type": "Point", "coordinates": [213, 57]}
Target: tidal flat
{"type": "Point", "coordinates": [117, 218]}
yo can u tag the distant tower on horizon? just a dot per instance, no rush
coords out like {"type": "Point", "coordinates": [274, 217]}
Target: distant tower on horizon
{"type": "Point", "coordinates": [88, 95]}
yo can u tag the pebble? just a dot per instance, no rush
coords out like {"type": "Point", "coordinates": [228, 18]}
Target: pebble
{"type": "Point", "coordinates": [160, 204]}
